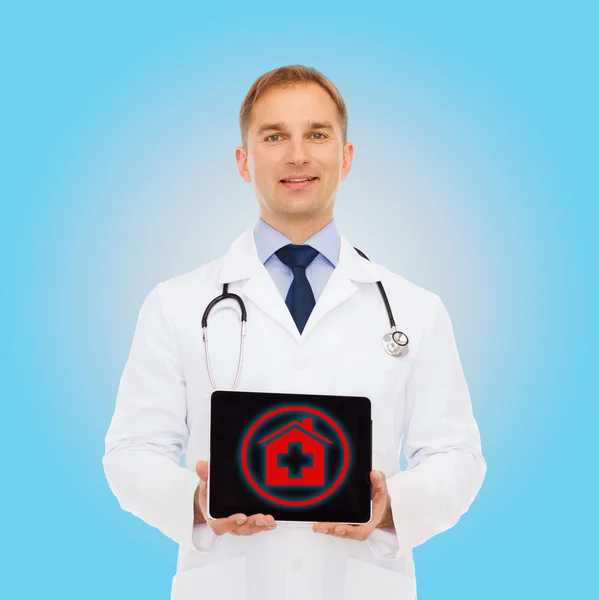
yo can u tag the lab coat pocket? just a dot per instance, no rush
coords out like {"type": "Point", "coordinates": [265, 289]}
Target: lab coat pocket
{"type": "Point", "coordinates": [225, 580]}
{"type": "Point", "coordinates": [368, 580]}
{"type": "Point", "coordinates": [381, 378]}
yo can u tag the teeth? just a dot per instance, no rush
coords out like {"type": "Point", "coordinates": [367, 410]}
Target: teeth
{"type": "Point", "coordinates": [298, 180]}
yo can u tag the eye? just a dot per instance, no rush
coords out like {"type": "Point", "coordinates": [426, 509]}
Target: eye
{"type": "Point", "coordinates": [274, 135]}
{"type": "Point", "coordinates": [323, 136]}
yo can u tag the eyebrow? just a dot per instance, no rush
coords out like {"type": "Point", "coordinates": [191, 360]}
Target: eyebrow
{"type": "Point", "coordinates": [281, 126]}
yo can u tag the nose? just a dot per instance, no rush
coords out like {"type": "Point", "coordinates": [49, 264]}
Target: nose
{"type": "Point", "coordinates": [296, 152]}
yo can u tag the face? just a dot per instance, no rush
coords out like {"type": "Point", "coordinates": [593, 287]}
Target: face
{"type": "Point", "coordinates": [295, 133]}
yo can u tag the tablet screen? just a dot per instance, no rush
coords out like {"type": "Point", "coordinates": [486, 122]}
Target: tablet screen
{"type": "Point", "coordinates": [297, 457]}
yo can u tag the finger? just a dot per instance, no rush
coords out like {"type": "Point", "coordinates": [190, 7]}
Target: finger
{"type": "Point", "coordinates": [246, 529]}
{"type": "Point", "coordinates": [323, 527]}
{"type": "Point", "coordinates": [353, 532]}
{"type": "Point", "coordinates": [379, 490]}
{"type": "Point", "coordinates": [228, 524]}
{"type": "Point", "coordinates": [378, 480]}
{"type": "Point", "coordinates": [202, 470]}
{"type": "Point", "coordinates": [255, 524]}
{"type": "Point", "coordinates": [342, 530]}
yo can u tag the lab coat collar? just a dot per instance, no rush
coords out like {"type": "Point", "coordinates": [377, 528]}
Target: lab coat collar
{"type": "Point", "coordinates": [242, 262]}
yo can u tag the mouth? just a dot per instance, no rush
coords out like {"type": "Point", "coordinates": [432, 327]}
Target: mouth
{"type": "Point", "coordinates": [298, 183]}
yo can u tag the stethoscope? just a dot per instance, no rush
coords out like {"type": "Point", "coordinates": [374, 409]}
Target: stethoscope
{"type": "Point", "coordinates": [395, 342]}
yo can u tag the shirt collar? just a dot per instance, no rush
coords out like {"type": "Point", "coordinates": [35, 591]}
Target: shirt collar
{"type": "Point", "coordinates": [269, 240]}
{"type": "Point", "coordinates": [242, 262]}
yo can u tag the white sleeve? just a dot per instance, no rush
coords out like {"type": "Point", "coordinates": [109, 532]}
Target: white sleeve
{"type": "Point", "coordinates": [148, 433]}
{"type": "Point", "coordinates": [445, 466]}
{"type": "Point", "coordinates": [203, 538]}
{"type": "Point", "coordinates": [383, 543]}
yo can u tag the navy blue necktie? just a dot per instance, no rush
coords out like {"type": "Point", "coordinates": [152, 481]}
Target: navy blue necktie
{"type": "Point", "coordinates": [300, 298]}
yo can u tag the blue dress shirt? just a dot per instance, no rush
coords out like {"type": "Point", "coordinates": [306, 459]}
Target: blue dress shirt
{"type": "Point", "coordinates": [326, 241]}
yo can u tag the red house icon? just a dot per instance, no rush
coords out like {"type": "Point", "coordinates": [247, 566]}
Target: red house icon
{"type": "Point", "coordinates": [295, 455]}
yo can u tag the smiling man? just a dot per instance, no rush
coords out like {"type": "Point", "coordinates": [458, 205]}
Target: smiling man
{"type": "Point", "coordinates": [302, 284]}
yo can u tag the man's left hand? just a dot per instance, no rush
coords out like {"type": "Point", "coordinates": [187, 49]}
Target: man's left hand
{"type": "Point", "coordinates": [381, 514]}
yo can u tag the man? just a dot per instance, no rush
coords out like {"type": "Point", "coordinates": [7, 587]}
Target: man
{"type": "Point", "coordinates": [315, 323]}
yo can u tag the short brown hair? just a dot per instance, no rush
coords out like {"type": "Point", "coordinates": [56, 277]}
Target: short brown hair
{"type": "Point", "coordinates": [285, 77]}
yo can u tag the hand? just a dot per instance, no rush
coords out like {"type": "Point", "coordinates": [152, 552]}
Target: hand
{"type": "Point", "coordinates": [381, 514]}
{"type": "Point", "coordinates": [237, 524]}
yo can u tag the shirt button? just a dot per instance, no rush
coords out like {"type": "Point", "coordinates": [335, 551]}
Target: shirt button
{"type": "Point", "coordinates": [297, 563]}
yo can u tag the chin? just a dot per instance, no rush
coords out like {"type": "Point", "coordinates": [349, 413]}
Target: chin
{"type": "Point", "coordinates": [302, 201]}
{"type": "Point", "coordinates": [300, 208]}
{"type": "Point", "coordinates": [296, 205]}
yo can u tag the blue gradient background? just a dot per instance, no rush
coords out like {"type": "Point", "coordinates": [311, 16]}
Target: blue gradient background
{"type": "Point", "coordinates": [475, 176]}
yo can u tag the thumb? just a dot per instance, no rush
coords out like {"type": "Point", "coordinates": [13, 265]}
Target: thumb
{"type": "Point", "coordinates": [378, 479]}
{"type": "Point", "coordinates": [202, 470]}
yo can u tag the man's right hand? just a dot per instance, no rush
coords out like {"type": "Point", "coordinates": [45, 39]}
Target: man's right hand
{"type": "Point", "coordinates": [237, 524]}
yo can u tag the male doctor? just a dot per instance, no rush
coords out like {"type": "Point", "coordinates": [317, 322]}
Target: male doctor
{"type": "Point", "coordinates": [315, 320]}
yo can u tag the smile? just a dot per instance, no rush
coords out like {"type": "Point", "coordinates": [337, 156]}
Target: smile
{"type": "Point", "coordinates": [299, 183]}
{"type": "Point", "coordinates": [298, 180]}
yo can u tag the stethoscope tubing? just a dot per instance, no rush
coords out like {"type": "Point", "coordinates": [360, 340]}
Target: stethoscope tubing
{"type": "Point", "coordinates": [399, 338]}
{"type": "Point", "coordinates": [383, 294]}
{"type": "Point", "coordinates": [226, 294]}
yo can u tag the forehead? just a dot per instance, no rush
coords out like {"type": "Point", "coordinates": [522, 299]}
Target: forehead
{"type": "Point", "coordinates": [294, 105]}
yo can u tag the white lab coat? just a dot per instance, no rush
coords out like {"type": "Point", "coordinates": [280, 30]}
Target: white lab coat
{"type": "Point", "coordinates": [422, 399]}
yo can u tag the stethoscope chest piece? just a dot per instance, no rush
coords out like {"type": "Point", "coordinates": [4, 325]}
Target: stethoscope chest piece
{"type": "Point", "coordinates": [396, 343]}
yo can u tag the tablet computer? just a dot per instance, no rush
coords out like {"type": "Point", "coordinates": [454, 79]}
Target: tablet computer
{"type": "Point", "coordinates": [297, 457]}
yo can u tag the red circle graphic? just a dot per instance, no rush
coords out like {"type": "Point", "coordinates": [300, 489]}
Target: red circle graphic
{"type": "Point", "coordinates": [284, 409]}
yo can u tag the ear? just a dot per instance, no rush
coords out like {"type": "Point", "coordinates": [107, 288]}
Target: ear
{"type": "Point", "coordinates": [241, 157]}
{"type": "Point", "coordinates": [348, 156]}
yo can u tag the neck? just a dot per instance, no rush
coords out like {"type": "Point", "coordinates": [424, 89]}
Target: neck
{"type": "Point", "coordinates": [300, 229]}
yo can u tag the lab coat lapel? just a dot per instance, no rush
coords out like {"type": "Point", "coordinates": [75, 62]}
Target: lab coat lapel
{"type": "Point", "coordinates": [242, 262]}
{"type": "Point", "coordinates": [263, 292]}
{"type": "Point", "coordinates": [340, 286]}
